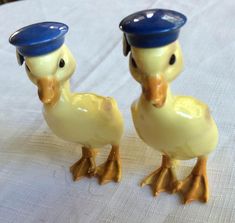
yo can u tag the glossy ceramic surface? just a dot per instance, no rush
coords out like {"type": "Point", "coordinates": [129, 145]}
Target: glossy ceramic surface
{"type": "Point", "coordinates": [88, 119]}
{"type": "Point", "coordinates": [39, 38]}
{"type": "Point", "coordinates": [152, 27]}
{"type": "Point", "coordinates": [180, 127]}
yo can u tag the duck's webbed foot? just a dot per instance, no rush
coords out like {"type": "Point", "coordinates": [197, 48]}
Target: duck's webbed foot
{"type": "Point", "coordinates": [111, 169]}
{"type": "Point", "coordinates": [195, 186]}
{"type": "Point", "coordinates": [162, 179]}
{"type": "Point", "coordinates": [85, 167]}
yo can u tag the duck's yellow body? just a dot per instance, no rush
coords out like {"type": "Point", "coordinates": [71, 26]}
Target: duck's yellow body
{"type": "Point", "coordinates": [182, 129]}
{"type": "Point", "coordinates": [85, 118]}
{"type": "Point", "coordinates": [89, 119]}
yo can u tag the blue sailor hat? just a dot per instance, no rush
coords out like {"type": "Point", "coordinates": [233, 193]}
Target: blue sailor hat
{"type": "Point", "coordinates": [151, 28]}
{"type": "Point", "coordinates": [39, 38]}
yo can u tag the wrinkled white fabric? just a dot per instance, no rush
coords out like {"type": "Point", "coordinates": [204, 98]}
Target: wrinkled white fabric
{"type": "Point", "coordinates": [35, 183]}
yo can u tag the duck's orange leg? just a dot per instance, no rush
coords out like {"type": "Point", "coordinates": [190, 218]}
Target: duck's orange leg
{"type": "Point", "coordinates": [195, 186]}
{"type": "Point", "coordinates": [85, 167]}
{"type": "Point", "coordinates": [162, 179]}
{"type": "Point", "coordinates": [111, 169]}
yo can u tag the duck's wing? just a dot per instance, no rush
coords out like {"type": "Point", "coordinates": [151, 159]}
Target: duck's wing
{"type": "Point", "coordinates": [191, 108]}
{"type": "Point", "coordinates": [99, 106]}
{"type": "Point", "coordinates": [195, 127]}
{"type": "Point", "coordinates": [100, 116]}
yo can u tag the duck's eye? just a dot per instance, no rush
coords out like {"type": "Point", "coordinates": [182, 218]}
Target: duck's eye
{"type": "Point", "coordinates": [133, 62]}
{"type": "Point", "coordinates": [172, 59]}
{"type": "Point", "coordinates": [62, 63]}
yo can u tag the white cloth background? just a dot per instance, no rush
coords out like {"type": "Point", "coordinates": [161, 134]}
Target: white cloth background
{"type": "Point", "coordinates": [35, 183]}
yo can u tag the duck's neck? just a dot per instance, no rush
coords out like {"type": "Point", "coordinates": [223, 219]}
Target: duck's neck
{"type": "Point", "coordinates": [65, 88]}
{"type": "Point", "coordinates": [169, 96]}
{"type": "Point", "coordinates": [65, 92]}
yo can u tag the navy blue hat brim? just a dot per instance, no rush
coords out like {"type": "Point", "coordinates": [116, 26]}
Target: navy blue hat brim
{"type": "Point", "coordinates": [150, 41]}
{"type": "Point", "coordinates": [152, 28]}
{"type": "Point", "coordinates": [42, 48]}
{"type": "Point", "coordinates": [39, 39]}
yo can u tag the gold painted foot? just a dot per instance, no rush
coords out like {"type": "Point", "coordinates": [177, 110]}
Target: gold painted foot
{"type": "Point", "coordinates": [195, 186]}
{"type": "Point", "coordinates": [85, 167]}
{"type": "Point", "coordinates": [162, 179]}
{"type": "Point", "coordinates": [111, 169]}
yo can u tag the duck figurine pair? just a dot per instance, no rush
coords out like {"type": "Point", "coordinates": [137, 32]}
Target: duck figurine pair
{"type": "Point", "coordinates": [179, 127]}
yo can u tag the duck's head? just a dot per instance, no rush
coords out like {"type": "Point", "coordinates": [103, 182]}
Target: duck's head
{"type": "Point", "coordinates": [48, 62]}
{"type": "Point", "coordinates": [155, 54]}
{"type": "Point", "coordinates": [49, 72]}
{"type": "Point", "coordinates": [154, 68]}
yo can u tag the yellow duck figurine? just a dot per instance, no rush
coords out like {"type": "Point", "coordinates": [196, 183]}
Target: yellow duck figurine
{"type": "Point", "coordinates": [89, 119]}
{"type": "Point", "coordinates": [180, 127]}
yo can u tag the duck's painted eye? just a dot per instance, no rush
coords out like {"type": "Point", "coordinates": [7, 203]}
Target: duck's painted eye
{"type": "Point", "coordinates": [133, 62]}
{"type": "Point", "coordinates": [172, 59]}
{"type": "Point", "coordinates": [62, 63]}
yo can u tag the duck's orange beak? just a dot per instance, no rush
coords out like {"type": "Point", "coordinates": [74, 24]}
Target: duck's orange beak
{"type": "Point", "coordinates": [155, 90]}
{"type": "Point", "coordinates": [48, 90]}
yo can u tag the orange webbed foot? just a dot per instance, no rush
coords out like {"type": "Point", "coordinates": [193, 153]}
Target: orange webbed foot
{"type": "Point", "coordinates": [111, 169]}
{"type": "Point", "coordinates": [162, 179]}
{"type": "Point", "coordinates": [195, 186]}
{"type": "Point", "coordinates": [85, 167]}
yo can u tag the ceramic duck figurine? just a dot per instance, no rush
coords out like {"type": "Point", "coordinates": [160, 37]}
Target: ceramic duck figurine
{"type": "Point", "coordinates": [89, 119]}
{"type": "Point", "coordinates": [180, 127]}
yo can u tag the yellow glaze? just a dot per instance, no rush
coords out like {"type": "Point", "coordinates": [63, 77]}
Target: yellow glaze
{"type": "Point", "coordinates": [89, 119]}
{"type": "Point", "coordinates": [180, 127]}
